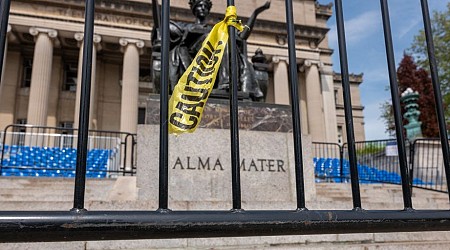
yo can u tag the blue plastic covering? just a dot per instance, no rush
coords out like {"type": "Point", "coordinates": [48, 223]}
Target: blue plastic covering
{"type": "Point", "coordinates": [329, 170]}
{"type": "Point", "coordinates": [52, 162]}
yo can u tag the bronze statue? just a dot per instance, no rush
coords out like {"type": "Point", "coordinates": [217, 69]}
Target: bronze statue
{"type": "Point", "coordinates": [187, 38]}
{"type": "Point", "coordinates": [261, 68]}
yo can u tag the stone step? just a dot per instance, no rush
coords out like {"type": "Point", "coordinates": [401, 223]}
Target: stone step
{"type": "Point", "coordinates": [18, 182]}
{"type": "Point", "coordinates": [370, 241]}
{"type": "Point", "coordinates": [52, 190]}
{"type": "Point", "coordinates": [50, 194]}
{"type": "Point", "coordinates": [35, 206]}
{"type": "Point", "coordinates": [44, 196]}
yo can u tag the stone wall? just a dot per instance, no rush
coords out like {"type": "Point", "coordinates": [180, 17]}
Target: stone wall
{"type": "Point", "coordinates": [200, 168]}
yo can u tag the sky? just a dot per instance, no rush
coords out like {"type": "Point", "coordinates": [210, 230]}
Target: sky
{"type": "Point", "coordinates": [366, 51]}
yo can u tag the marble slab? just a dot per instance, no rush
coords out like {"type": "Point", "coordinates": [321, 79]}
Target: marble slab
{"type": "Point", "coordinates": [253, 116]}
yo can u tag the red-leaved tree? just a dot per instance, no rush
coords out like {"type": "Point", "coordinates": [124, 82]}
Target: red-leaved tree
{"type": "Point", "coordinates": [409, 75]}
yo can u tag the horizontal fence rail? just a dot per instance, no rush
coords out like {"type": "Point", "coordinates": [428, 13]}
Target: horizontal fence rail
{"type": "Point", "coordinates": [354, 162]}
{"type": "Point", "coordinates": [124, 225]}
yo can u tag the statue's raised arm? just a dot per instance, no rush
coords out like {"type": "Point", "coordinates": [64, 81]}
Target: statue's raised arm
{"type": "Point", "coordinates": [251, 21]}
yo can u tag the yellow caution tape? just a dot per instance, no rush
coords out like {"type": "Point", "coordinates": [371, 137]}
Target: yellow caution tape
{"type": "Point", "coordinates": [192, 90]}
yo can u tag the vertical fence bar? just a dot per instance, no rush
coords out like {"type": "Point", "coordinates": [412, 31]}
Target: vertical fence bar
{"type": "Point", "coordinates": [82, 147]}
{"type": "Point", "coordinates": [4, 16]}
{"type": "Point", "coordinates": [411, 163]}
{"type": "Point", "coordinates": [396, 105]}
{"type": "Point", "coordinates": [341, 162]}
{"type": "Point", "coordinates": [436, 90]}
{"type": "Point", "coordinates": [347, 105]}
{"type": "Point", "coordinates": [5, 133]}
{"type": "Point", "coordinates": [125, 151]}
{"type": "Point", "coordinates": [293, 86]}
{"type": "Point", "coordinates": [133, 156]}
{"type": "Point", "coordinates": [234, 127]}
{"type": "Point", "coordinates": [164, 106]}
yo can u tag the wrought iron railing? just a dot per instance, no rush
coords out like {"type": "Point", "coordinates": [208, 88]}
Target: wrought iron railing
{"type": "Point", "coordinates": [378, 162]}
{"type": "Point", "coordinates": [427, 165]}
{"type": "Point", "coordinates": [37, 151]}
{"type": "Point", "coordinates": [80, 224]}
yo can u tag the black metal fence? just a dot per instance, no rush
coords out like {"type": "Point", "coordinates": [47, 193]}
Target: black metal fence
{"type": "Point", "coordinates": [427, 165]}
{"type": "Point", "coordinates": [36, 151]}
{"type": "Point", "coordinates": [80, 224]}
{"type": "Point", "coordinates": [378, 162]}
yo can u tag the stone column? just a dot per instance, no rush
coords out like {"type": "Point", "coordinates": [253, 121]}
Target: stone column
{"type": "Point", "coordinates": [314, 102]}
{"type": "Point", "coordinates": [41, 75]}
{"type": "Point", "coordinates": [329, 104]}
{"type": "Point", "coordinates": [302, 95]}
{"type": "Point", "coordinates": [130, 92]}
{"type": "Point", "coordinates": [97, 39]}
{"type": "Point", "coordinates": [130, 84]}
{"type": "Point", "coordinates": [4, 59]}
{"type": "Point", "coordinates": [281, 80]}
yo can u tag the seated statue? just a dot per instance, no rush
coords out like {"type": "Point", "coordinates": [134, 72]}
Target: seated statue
{"type": "Point", "coordinates": [185, 41]}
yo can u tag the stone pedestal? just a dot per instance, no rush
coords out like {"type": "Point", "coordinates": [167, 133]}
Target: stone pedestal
{"type": "Point", "coordinates": [200, 163]}
{"type": "Point", "coordinates": [200, 168]}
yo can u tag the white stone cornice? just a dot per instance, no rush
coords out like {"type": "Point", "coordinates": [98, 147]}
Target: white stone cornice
{"type": "Point", "coordinates": [124, 42]}
{"type": "Point", "coordinates": [50, 32]}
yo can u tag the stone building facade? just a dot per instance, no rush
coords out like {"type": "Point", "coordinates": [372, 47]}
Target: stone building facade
{"type": "Point", "coordinates": [42, 73]}
{"type": "Point", "coordinates": [358, 116]}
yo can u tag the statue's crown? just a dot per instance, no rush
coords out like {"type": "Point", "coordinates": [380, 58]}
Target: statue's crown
{"type": "Point", "coordinates": [192, 3]}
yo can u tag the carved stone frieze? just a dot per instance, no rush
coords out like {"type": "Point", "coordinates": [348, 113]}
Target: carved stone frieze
{"type": "Point", "coordinates": [117, 14]}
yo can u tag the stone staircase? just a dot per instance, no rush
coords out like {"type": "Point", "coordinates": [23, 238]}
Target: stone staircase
{"type": "Point", "coordinates": [48, 193]}
{"type": "Point", "coordinates": [375, 197]}
{"type": "Point", "coordinates": [120, 194]}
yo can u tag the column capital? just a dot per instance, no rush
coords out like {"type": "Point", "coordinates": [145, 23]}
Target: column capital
{"type": "Point", "coordinates": [124, 42]}
{"type": "Point", "coordinates": [34, 31]}
{"type": "Point", "coordinates": [308, 63]}
{"type": "Point", "coordinates": [11, 37]}
{"type": "Point", "coordinates": [79, 36]}
{"type": "Point", "coordinates": [277, 59]}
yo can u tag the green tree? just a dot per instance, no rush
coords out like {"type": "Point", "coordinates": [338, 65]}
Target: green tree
{"type": "Point", "coordinates": [441, 36]}
{"type": "Point", "coordinates": [420, 81]}
{"type": "Point", "coordinates": [387, 115]}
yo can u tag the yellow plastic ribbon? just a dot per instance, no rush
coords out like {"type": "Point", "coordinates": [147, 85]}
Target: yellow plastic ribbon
{"type": "Point", "coordinates": [193, 88]}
